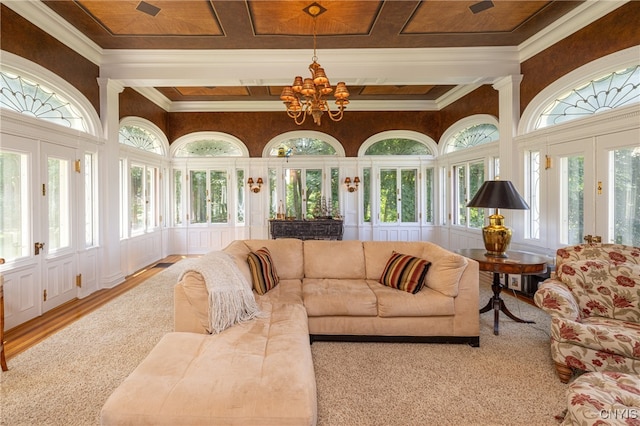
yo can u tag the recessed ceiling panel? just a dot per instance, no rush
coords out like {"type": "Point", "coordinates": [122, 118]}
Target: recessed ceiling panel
{"type": "Point", "coordinates": [213, 91]}
{"type": "Point", "coordinates": [457, 17]}
{"type": "Point", "coordinates": [154, 17]}
{"type": "Point", "coordinates": [289, 18]}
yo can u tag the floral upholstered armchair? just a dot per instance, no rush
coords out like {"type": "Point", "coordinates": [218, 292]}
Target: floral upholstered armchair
{"type": "Point", "coordinates": [594, 303]}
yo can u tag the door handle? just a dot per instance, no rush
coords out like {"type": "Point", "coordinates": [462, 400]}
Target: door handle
{"type": "Point", "coordinates": [38, 247]}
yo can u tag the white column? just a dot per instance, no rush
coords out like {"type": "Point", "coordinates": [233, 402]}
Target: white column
{"type": "Point", "coordinates": [112, 272]}
{"type": "Point", "coordinates": [509, 109]}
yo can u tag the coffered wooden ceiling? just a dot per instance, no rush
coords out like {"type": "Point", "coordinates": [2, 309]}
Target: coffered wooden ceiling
{"type": "Point", "coordinates": [262, 24]}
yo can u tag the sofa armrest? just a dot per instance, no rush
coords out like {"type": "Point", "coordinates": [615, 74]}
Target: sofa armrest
{"type": "Point", "coordinates": [467, 301]}
{"type": "Point", "coordinates": [190, 304]}
{"type": "Point", "coordinates": [556, 299]}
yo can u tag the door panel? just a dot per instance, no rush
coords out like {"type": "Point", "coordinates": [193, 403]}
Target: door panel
{"type": "Point", "coordinates": [58, 200]}
{"type": "Point", "coordinates": [571, 185]}
{"type": "Point", "coordinates": [18, 186]}
{"type": "Point", "coordinates": [618, 187]}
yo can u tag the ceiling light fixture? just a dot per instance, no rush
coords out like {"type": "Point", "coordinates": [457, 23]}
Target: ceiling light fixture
{"type": "Point", "coordinates": [307, 97]}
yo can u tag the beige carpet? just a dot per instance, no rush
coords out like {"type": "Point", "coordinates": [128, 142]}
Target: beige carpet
{"type": "Point", "coordinates": [509, 380]}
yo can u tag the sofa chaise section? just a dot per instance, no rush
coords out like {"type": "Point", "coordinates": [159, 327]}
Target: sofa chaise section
{"type": "Point", "coordinates": [255, 373]}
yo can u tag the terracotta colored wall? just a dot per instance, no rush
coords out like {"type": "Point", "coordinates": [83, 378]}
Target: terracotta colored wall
{"type": "Point", "coordinates": [614, 32]}
{"type": "Point", "coordinates": [256, 129]}
{"type": "Point", "coordinates": [134, 104]}
{"type": "Point", "coordinates": [24, 39]}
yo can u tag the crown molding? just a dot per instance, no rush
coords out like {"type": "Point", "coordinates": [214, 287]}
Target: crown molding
{"type": "Point", "coordinates": [583, 15]}
{"type": "Point", "coordinates": [50, 22]}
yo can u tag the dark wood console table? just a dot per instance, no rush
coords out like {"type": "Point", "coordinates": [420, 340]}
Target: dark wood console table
{"type": "Point", "coordinates": [317, 229]}
{"type": "Point", "coordinates": [518, 263]}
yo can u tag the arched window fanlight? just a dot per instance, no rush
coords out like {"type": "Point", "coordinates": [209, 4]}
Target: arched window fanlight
{"type": "Point", "coordinates": [208, 148]}
{"type": "Point", "coordinates": [471, 136]}
{"type": "Point", "coordinates": [302, 146]}
{"type": "Point", "coordinates": [140, 138]}
{"type": "Point", "coordinates": [36, 100]}
{"type": "Point", "coordinates": [398, 146]}
{"type": "Point", "coordinates": [607, 92]}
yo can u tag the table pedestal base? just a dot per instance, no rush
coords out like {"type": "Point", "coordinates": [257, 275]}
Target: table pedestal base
{"type": "Point", "coordinates": [497, 304]}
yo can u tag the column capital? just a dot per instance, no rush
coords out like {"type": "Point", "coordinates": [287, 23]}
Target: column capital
{"type": "Point", "coordinates": [507, 81]}
{"type": "Point", "coordinates": [109, 84]}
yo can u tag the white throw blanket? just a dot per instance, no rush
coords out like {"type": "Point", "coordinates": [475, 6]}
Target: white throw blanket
{"type": "Point", "coordinates": [230, 296]}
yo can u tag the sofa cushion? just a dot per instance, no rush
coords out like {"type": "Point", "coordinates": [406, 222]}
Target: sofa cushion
{"type": "Point", "coordinates": [445, 270]}
{"type": "Point", "coordinates": [328, 296]}
{"type": "Point", "coordinates": [263, 271]}
{"type": "Point", "coordinates": [425, 303]}
{"type": "Point", "coordinates": [287, 255]}
{"type": "Point", "coordinates": [405, 272]}
{"type": "Point", "coordinates": [334, 259]}
{"type": "Point", "coordinates": [605, 289]}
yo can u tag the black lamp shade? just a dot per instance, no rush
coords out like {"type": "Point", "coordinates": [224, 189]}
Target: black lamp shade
{"type": "Point", "coordinates": [498, 194]}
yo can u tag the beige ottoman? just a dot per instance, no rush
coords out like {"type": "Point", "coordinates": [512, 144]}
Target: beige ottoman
{"type": "Point", "coordinates": [603, 398]}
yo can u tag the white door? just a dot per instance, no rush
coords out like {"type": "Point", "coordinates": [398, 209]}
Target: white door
{"type": "Point", "coordinates": [18, 176]}
{"type": "Point", "coordinates": [594, 190]}
{"type": "Point", "coordinates": [571, 185]}
{"type": "Point", "coordinates": [57, 216]}
{"type": "Point", "coordinates": [618, 187]}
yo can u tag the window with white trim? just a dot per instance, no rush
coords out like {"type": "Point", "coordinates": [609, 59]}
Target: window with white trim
{"type": "Point", "coordinates": [35, 99]}
{"type": "Point", "coordinates": [605, 92]}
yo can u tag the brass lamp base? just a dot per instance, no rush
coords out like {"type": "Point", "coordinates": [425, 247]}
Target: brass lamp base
{"type": "Point", "coordinates": [496, 236]}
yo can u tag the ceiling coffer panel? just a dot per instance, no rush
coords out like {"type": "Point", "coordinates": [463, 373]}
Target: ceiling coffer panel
{"type": "Point", "coordinates": [340, 18]}
{"type": "Point", "coordinates": [154, 17]}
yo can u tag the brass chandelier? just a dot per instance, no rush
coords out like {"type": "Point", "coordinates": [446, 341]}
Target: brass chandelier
{"type": "Point", "coordinates": [307, 97]}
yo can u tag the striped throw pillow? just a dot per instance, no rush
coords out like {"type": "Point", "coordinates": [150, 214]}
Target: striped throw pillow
{"type": "Point", "coordinates": [405, 272]}
{"type": "Point", "coordinates": [263, 271]}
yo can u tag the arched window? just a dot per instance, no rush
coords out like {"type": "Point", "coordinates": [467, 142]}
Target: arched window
{"type": "Point", "coordinates": [140, 138]}
{"type": "Point", "coordinates": [209, 191]}
{"type": "Point", "coordinates": [303, 143]}
{"type": "Point", "coordinates": [608, 91]}
{"type": "Point", "coordinates": [607, 83]}
{"type": "Point", "coordinates": [140, 188]}
{"type": "Point", "coordinates": [29, 97]}
{"type": "Point", "coordinates": [392, 192]}
{"type": "Point", "coordinates": [473, 135]}
{"type": "Point", "coordinates": [32, 90]}
{"type": "Point", "coordinates": [208, 144]}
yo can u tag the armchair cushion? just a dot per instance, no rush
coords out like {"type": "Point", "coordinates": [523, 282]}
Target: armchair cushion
{"type": "Point", "coordinates": [604, 289]}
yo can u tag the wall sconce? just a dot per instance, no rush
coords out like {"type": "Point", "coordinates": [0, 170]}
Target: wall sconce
{"type": "Point", "coordinates": [255, 187]}
{"type": "Point", "coordinates": [352, 188]}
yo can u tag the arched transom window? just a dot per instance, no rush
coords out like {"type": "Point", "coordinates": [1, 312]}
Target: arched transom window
{"type": "Point", "coordinates": [140, 138]}
{"type": "Point", "coordinates": [208, 148]}
{"type": "Point", "coordinates": [606, 92]}
{"type": "Point", "coordinates": [473, 135]}
{"type": "Point", "coordinates": [398, 146]}
{"type": "Point", "coordinates": [302, 146]}
{"type": "Point", "coordinates": [37, 100]}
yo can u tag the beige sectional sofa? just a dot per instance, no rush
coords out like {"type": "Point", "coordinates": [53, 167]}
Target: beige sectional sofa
{"type": "Point", "coordinates": [260, 372]}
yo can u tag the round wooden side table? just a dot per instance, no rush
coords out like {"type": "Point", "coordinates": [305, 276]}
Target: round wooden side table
{"type": "Point", "coordinates": [516, 262]}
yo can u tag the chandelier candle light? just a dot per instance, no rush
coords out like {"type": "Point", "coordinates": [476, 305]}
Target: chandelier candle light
{"type": "Point", "coordinates": [307, 97]}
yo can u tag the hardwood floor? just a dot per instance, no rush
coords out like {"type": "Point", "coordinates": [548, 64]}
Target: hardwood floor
{"type": "Point", "coordinates": [24, 336]}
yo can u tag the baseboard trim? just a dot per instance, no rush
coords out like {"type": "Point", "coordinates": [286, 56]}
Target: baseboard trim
{"type": "Point", "coordinates": [473, 341]}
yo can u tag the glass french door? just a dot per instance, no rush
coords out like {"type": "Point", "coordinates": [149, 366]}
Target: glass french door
{"type": "Point", "coordinates": [57, 245]}
{"type": "Point", "coordinates": [209, 196]}
{"type": "Point", "coordinates": [398, 189]}
{"type": "Point", "coordinates": [594, 188]}
{"type": "Point", "coordinates": [618, 187]}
